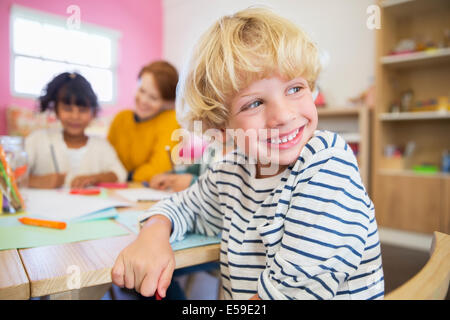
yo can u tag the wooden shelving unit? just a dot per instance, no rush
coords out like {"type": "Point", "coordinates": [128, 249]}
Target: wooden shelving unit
{"type": "Point", "coordinates": [403, 198]}
{"type": "Point", "coordinates": [353, 124]}
{"type": "Point", "coordinates": [421, 58]}
{"type": "Point", "coordinates": [400, 116]}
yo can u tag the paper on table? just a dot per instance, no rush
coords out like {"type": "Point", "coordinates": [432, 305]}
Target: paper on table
{"type": "Point", "coordinates": [143, 194]}
{"type": "Point", "coordinates": [60, 205]}
{"type": "Point", "coordinates": [17, 236]}
{"type": "Point", "coordinates": [130, 219]}
{"type": "Point", "coordinates": [102, 214]}
{"type": "Point", "coordinates": [192, 240]}
{"type": "Point", "coordinates": [11, 220]}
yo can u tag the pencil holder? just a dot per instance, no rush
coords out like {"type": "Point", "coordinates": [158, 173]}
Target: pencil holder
{"type": "Point", "coordinates": [16, 157]}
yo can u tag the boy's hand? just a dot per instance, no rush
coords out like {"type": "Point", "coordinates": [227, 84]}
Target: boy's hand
{"type": "Point", "coordinates": [147, 264]}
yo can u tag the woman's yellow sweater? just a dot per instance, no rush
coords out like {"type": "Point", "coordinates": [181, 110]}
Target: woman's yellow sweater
{"type": "Point", "coordinates": [141, 145]}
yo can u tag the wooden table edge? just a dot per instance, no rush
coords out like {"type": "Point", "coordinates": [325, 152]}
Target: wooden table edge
{"type": "Point", "coordinates": [22, 290]}
{"type": "Point", "coordinates": [183, 258]}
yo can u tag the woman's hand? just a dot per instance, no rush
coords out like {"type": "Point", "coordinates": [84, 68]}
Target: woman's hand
{"type": "Point", "coordinates": [175, 182]}
{"type": "Point", "coordinates": [147, 264]}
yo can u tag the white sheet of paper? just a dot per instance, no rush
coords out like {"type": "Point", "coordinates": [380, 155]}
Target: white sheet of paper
{"type": "Point", "coordinates": [143, 194]}
{"type": "Point", "coordinates": [61, 205]}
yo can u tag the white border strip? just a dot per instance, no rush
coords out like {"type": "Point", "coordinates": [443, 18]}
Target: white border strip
{"type": "Point", "coordinates": [407, 239]}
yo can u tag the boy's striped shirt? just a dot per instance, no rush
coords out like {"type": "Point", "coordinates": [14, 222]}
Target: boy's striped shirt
{"type": "Point", "coordinates": [308, 233]}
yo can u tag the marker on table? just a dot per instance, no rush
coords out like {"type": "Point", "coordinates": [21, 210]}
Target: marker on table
{"type": "Point", "coordinates": [85, 192]}
{"type": "Point", "coordinates": [55, 163]}
{"type": "Point", "coordinates": [43, 223]}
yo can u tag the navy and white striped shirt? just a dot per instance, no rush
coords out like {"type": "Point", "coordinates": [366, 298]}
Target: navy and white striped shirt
{"type": "Point", "coordinates": [308, 233]}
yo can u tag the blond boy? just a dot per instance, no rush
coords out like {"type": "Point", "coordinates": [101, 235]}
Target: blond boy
{"type": "Point", "coordinates": [305, 230]}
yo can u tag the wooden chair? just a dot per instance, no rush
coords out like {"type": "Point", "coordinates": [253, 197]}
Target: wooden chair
{"type": "Point", "coordinates": [432, 282]}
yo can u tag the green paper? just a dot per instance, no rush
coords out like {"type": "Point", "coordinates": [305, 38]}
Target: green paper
{"type": "Point", "coordinates": [18, 236]}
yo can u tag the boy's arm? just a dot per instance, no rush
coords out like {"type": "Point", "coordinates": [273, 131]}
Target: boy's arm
{"type": "Point", "coordinates": [323, 234]}
{"type": "Point", "coordinates": [196, 209]}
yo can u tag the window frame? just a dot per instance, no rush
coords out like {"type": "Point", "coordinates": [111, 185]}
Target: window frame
{"type": "Point", "coordinates": [18, 11]}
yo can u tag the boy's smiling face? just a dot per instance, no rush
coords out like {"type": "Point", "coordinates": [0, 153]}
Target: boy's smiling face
{"type": "Point", "coordinates": [282, 116]}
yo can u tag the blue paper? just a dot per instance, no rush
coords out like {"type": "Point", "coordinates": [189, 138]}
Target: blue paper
{"type": "Point", "coordinates": [102, 214]}
{"type": "Point", "coordinates": [130, 220]}
{"type": "Point", "coordinates": [192, 240]}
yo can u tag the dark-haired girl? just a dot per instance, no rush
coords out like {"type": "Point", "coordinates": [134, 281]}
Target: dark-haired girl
{"type": "Point", "coordinates": [67, 157]}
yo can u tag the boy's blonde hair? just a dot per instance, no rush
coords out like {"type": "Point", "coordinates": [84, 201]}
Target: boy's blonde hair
{"type": "Point", "coordinates": [237, 50]}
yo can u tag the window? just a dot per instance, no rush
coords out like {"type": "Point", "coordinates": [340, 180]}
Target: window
{"type": "Point", "coordinates": [42, 46]}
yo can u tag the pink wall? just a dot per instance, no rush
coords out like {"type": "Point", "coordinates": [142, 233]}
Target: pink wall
{"type": "Point", "coordinates": [138, 21]}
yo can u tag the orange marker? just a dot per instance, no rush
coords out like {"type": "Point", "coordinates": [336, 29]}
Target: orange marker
{"type": "Point", "coordinates": [43, 223]}
{"type": "Point", "coordinates": [85, 192]}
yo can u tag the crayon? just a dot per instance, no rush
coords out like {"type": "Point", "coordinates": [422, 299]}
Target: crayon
{"type": "Point", "coordinates": [43, 223]}
{"type": "Point", "coordinates": [85, 192]}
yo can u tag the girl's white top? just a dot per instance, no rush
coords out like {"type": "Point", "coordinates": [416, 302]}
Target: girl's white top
{"type": "Point", "coordinates": [97, 156]}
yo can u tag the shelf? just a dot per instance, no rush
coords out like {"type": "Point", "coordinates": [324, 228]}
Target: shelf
{"type": "Point", "coordinates": [391, 3]}
{"type": "Point", "coordinates": [400, 116]}
{"type": "Point", "coordinates": [338, 112]}
{"type": "Point", "coordinates": [408, 8]}
{"type": "Point", "coordinates": [420, 58]}
{"type": "Point", "coordinates": [410, 173]}
{"type": "Point", "coordinates": [404, 198]}
{"type": "Point", "coordinates": [351, 137]}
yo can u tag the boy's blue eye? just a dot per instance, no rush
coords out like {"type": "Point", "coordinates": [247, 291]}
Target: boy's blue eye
{"type": "Point", "coordinates": [294, 90]}
{"type": "Point", "coordinates": [254, 104]}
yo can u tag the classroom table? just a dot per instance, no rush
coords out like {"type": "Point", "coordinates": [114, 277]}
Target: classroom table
{"type": "Point", "coordinates": [14, 284]}
{"type": "Point", "coordinates": [82, 270]}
